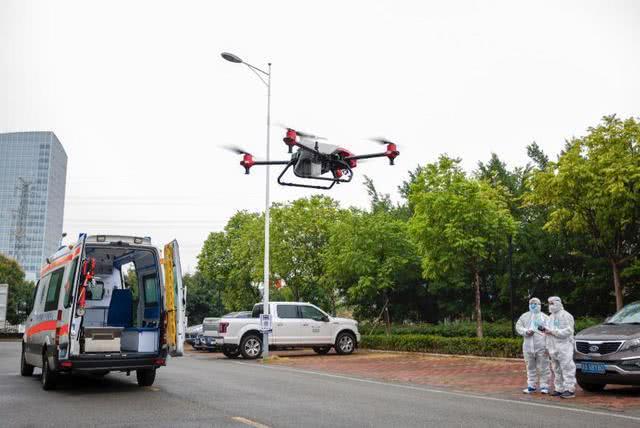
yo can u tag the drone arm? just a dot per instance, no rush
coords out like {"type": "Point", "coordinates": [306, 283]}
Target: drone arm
{"type": "Point", "coordinates": [369, 156]}
{"type": "Point", "coordinates": [391, 153]}
{"type": "Point", "coordinates": [271, 162]}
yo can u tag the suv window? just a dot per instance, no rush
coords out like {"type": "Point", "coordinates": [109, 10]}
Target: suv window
{"type": "Point", "coordinates": [288, 311]}
{"type": "Point", "coordinates": [309, 312]}
{"type": "Point", "coordinates": [53, 292]}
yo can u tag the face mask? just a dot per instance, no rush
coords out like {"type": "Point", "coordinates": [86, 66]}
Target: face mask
{"type": "Point", "coordinates": [553, 308]}
{"type": "Point", "coordinates": [534, 307]}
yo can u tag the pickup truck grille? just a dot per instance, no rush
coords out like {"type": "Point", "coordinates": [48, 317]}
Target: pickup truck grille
{"type": "Point", "coordinates": [604, 348]}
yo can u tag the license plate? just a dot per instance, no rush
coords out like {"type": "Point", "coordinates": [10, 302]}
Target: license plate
{"type": "Point", "coordinates": [594, 368]}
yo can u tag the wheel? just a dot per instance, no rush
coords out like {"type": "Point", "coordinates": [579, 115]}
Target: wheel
{"type": "Point", "coordinates": [322, 350]}
{"type": "Point", "coordinates": [48, 375]}
{"type": "Point", "coordinates": [146, 376]}
{"type": "Point", "coordinates": [26, 369]}
{"type": "Point", "coordinates": [592, 387]}
{"type": "Point", "coordinates": [251, 346]}
{"type": "Point", "coordinates": [231, 352]}
{"type": "Point", "coordinates": [345, 343]}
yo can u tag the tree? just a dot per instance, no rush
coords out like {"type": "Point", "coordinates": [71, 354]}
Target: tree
{"type": "Point", "coordinates": [20, 291]}
{"type": "Point", "coordinates": [372, 257]}
{"type": "Point", "coordinates": [204, 298]}
{"type": "Point", "coordinates": [233, 260]}
{"type": "Point", "coordinates": [299, 234]}
{"type": "Point", "coordinates": [457, 223]}
{"type": "Point", "coordinates": [594, 189]}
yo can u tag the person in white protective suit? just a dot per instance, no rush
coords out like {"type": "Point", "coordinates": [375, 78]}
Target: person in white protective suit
{"type": "Point", "coordinates": [559, 335]}
{"type": "Point", "coordinates": [534, 347]}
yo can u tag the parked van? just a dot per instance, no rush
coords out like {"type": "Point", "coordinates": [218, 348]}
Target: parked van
{"type": "Point", "coordinates": [107, 303]}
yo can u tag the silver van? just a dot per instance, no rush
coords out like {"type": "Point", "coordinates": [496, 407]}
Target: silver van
{"type": "Point", "coordinates": [106, 303]}
{"type": "Point", "coordinates": [610, 352]}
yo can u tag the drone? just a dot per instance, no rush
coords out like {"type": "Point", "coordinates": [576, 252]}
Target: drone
{"type": "Point", "coordinates": [315, 160]}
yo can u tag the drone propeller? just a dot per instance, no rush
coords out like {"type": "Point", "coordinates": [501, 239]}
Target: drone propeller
{"type": "Point", "coordinates": [392, 148]}
{"type": "Point", "coordinates": [382, 141]}
{"type": "Point", "coordinates": [247, 159]}
{"type": "Point", "coordinates": [236, 149]}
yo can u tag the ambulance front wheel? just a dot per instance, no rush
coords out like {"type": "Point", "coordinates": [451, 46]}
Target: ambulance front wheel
{"type": "Point", "coordinates": [146, 377]}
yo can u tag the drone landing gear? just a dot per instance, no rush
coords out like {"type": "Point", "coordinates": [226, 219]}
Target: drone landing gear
{"type": "Point", "coordinates": [346, 177]}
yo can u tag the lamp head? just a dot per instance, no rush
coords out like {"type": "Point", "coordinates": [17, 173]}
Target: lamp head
{"type": "Point", "coordinates": [231, 57]}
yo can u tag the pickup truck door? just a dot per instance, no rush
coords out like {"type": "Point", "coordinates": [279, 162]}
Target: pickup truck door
{"type": "Point", "coordinates": [175, 300]}
{"type": "Point", "coordinates": [287, 325]}
{"type": "Point", "coordinates": [316, 330]}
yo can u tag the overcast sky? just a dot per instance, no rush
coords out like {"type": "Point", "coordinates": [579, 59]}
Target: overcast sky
{"type": "Point", "coordinates": [138, 95]}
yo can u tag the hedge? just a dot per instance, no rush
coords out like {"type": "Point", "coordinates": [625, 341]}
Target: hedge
{"type": "Point", "coordinates": [461, 328]}
{"type": "Point", "coordinates": [485, 347]}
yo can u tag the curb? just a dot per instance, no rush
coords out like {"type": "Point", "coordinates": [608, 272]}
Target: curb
{"type": "Point", "coordinates": [429, 354]}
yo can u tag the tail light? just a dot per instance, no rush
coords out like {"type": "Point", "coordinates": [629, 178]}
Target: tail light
{"type": "Point", "coordinates": [66, 364]}
{"type": "Point", "coordinates": [58, 327]}
{"type": "Point", "coordinates": [159, 362]}
{"type": "Point", "coordinates": [222, 327]}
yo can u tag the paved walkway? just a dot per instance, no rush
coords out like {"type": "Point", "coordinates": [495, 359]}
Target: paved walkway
{"type": "Point", "coordinates": [496, 377]}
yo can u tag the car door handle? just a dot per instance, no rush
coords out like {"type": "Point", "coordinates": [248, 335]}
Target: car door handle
{"type": "Point", "coordinates": [305, 325]}
{"type": "Point", "coordinates": [279, 324]}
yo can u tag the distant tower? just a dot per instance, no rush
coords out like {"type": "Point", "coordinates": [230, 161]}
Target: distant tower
{"type": "Point", "coordinates": [20, 218]}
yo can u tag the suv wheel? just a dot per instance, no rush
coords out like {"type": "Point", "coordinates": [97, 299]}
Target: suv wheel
{"type": "Point", "coordinates": [146, 377]}
{"type": "Point", "coordinates": [251, 347]}
{"type": "Point", "coordinates": [26, 369]}
{"type": "Point", "coordinates": [322, 350]}
{"type": "Point", "coordinates": [592, 387]}
{"type": "Point", "coordinates": [345, 343]}
{"type": "Point", "coordinates": [48, 375]}
{"type": "Point", "coordinates": [232, 352]}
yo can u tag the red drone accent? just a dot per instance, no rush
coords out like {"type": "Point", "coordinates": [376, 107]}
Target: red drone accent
{"type": "Point", "coordinates": [290, 139]}
{"type": "Point", "coordinates": [247, 162]}
{"type": "Point", "coordinates": [392, 152]}
{"type": "Point", "coordinates": [344, 153]}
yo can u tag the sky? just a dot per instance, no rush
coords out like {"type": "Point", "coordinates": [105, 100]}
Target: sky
{"type": "Point", "coordinates": [142, 102]}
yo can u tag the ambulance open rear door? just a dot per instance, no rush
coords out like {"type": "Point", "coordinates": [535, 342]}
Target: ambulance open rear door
{"type": "Point", "coordinates": [175, 300]}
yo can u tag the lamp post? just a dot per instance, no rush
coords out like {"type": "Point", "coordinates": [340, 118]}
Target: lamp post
{"type": "Point", "coordinates": [265, 294]}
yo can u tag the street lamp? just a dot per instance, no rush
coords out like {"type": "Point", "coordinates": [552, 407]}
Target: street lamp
{"type": "Point", "coordinates": [261, 74]}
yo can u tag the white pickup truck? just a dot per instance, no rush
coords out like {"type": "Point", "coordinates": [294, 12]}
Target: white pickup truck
{"type": "Point", "coordinates": [295, 325]}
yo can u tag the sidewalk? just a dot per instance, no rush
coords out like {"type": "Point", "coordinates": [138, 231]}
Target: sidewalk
{"type": "Point", "coordinates": [496, 377]}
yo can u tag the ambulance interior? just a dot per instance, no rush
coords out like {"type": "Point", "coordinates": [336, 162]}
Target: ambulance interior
{"type": "Point", "coordinates": [122, 309]}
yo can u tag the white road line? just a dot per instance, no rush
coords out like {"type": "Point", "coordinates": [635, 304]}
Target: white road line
{"type": "Point", "coordinates": [10, 374]}
{"type": "Point", "coordinates": [249, 422]}
{"type": "Point", "coordinates": [437, 391]}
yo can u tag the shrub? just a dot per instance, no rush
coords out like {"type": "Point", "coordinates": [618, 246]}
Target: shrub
{"type": "Point", "coordinates": [486, 347]}
{"type": "Point", "coordinates": [461, 328]}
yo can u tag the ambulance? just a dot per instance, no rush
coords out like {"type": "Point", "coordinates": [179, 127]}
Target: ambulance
{"type": "Point", "coordinates": [106, 303]}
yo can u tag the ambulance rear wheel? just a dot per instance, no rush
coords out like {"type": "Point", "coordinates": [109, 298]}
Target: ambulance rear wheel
{"type": "Point", "coordinates": [146, 377]}
{"type": "Point", "coordinates": [26, 369]}
{"type": "Point", "coordinates": [48, 375]}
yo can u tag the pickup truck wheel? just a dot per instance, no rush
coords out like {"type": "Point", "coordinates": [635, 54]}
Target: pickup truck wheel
{"type": "Point", "coordinates": [345, 343]}
{"type": "Point", "coordinates": [322, 350]}
{"type": "Point", "coordinates": [26, 369]}
{"type": "Point", "coordinates": [251, 347]}
{"type": "Point", "coordinates": [146, 377]}
{"type": "Point", "coordinates": [592, 387]}
{"type": "Point", "coordinates": [48, 375]}
{"type": "Point", "coordinates": [231, 352]}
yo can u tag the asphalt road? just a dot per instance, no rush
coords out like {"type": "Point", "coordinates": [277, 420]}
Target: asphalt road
{"type": "Point", "coordinates": [197, 390]}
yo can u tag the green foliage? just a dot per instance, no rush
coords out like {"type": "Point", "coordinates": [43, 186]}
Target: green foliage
{"type": "Point", "coordinates": [20, 291]}
{"type": "Point", "coordinates": [462, 328]}
{"type": "Point", "coordinates": [486, 347]}
{"type": "Point", "coordinates": [204, 298]}
{"type": "Point", "coordinates": [593, 190]}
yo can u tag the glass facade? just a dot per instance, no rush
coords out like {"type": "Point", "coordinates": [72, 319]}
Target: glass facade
{"type": "Point", "coordinates": [33, 171]}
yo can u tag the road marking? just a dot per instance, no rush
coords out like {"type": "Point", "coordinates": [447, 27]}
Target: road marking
{"type": "Point", "coordinates": [10, 374]}
{"type": "Point", "coordinates": [438, 391]}
{"type": "Point", "coordinates": [249, 422]}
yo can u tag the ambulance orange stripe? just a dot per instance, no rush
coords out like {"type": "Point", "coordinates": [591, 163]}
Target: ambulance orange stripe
{"type": "Point", "coordinates": [59, 262]}
{"type": "Point", "coordinates": [47, 326]}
